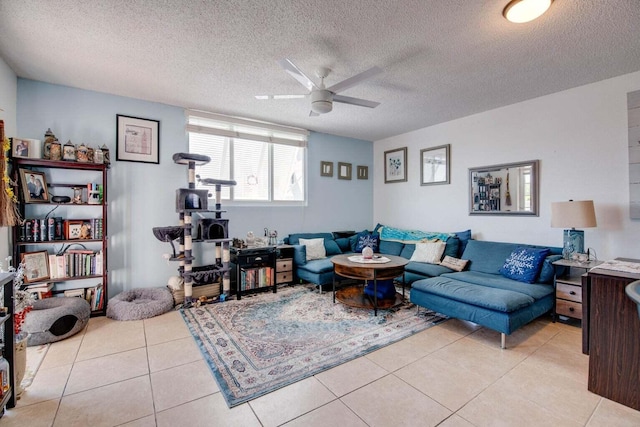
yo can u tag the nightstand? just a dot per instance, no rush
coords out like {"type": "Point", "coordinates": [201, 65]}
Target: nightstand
{"type": "Point", "coordinates": [568, 286]}
{"type": "Point", "coordinates": [284, 264]}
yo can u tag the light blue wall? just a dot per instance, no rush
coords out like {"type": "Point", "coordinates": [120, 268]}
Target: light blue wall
{"type": "Point", "coordinates": [8, 99]}
{"type": "Point", "coordinates": [142, 196]}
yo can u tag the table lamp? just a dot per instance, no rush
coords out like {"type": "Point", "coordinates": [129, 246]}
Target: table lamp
{"type": "Point", "coordinates": [571, 215]}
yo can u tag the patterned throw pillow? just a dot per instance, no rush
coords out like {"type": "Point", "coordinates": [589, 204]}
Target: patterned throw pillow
{"type": "Point", "coordinates": [430, 252]}
{"type": "Point", "coordinates": [456, 264]}
{"type": "Point", "coordinates": [367, 240]}
{"type": "Point", "coordinates": [315, 248]}
{"type": "Point", "coordinates": [524, 264]}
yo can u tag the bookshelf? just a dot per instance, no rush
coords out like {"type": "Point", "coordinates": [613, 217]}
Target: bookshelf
{"type": "Point", "coordinates": [67, 241]}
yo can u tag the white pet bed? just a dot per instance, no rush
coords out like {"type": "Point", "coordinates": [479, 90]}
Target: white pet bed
{"type": "Point", "coordinates": [54, 319]}
{"type": "Point", "coordinates": [140, 303]}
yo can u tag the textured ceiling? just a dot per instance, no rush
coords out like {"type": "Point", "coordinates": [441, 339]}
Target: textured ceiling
{"type": "Point", "coordinates": [441, 59]}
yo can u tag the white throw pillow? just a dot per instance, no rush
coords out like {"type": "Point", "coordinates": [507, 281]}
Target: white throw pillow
{"type": "Point", "coordinates": [315, 248]}
{"type": "Point", "coordinates": [430, 252]}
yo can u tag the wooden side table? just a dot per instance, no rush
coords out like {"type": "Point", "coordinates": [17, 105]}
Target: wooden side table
{"type": "Point", "coordinates": [568, 287]}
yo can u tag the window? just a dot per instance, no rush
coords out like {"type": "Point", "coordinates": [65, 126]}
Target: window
{"type": "Point", "coordinates": [268, 162]}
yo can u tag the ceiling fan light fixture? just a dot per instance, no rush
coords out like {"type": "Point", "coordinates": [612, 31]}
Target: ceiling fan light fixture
{"type": "Point", "coordinates": [521, 11]}
{"type": "Point", "coordinates": [321, 101]}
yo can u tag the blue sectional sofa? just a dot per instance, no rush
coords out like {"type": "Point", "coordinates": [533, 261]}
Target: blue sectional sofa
{"type": "Point", "coordinates": [483, 295]}
{"type": "Point", "coordinates": [320, 271]}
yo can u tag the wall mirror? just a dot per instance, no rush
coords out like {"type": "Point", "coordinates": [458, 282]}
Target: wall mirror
{"type": "Point", "coordinates": [508, 189]}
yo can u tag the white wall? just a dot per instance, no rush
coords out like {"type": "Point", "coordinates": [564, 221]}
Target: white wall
{"type": "Point", "coordinates": [142, 196]}
{"type": "Point", "coordinates": [8, 99]}
{"type": "Point", "coordinates": [579, 136]}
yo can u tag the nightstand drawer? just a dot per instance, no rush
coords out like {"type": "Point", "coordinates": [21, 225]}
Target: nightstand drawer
{"type": "Point", "coordinates": [284, 265]}
{"type": "Point", "coordinates": [569, 308]}
{"type": "Point", "coordinates": [284, 277]}
{"type": "Point", "coordinates": [568, 292]}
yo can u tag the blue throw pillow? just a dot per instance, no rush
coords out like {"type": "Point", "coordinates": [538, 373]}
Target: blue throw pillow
{"type": "Point", "coordinates": [524, 264]}
{"type": "Point", "coordinates": [367, 239]}
{"type": "Point", "coordinates": [331, 247]}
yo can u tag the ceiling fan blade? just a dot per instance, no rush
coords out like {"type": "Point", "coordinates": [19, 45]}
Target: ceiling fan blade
{"type": "Point", "coordinates": [297, 74]}
{"type": "Point", "coordinates": [313, 113]}
{"type": "Point", "coordinates": [352, 81]}
{"type": "Point", "coordinates": [261, 97]}
{"type": "Point", "coordinates": [355, 101]}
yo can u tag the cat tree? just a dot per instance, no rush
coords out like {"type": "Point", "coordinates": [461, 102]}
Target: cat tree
{"type": "Point", "coordinates": [209, 230]}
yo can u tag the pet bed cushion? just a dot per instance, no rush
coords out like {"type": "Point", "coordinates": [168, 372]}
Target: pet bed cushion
{"type": "Point", "coordinates": [54, 319]}
{"type": "Point", "coordinates": [140, 303]}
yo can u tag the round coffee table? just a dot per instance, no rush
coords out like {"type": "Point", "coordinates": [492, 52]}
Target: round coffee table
{"type": "Point", "coordinates": [371, 270]}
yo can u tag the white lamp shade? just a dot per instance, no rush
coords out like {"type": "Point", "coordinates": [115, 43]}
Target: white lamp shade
{"type": "Point", "coordinates": [573, 214]}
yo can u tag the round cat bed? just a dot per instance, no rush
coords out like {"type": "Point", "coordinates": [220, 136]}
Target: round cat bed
{"type": "Point", "coordinates": [141, 303]}
{"type": "Point", "coordinates": [54, 319]}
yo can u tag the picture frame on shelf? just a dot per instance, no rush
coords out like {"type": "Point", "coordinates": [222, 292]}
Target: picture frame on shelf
{"type": "Point", "coordinates": [362, 172]}
{"type": "Point", "coordinates": [34, 186]}
{"type": "Point", "coordinates": [36, 266]}
{"type": "Point", "coordinates": [344, 170]}
{"type": "Point", "coordinates": [138, 140]}
{"type": "Point", "coordinates": [435, 165]}
{"type": "Point", "coordinates": [326, 169]}
{"type": "Point", "coordinates": [20, 147]}
{"type": "Point", "coordinates": [395, 165]}
{"type": "Point", "coordinates": [73, 229]}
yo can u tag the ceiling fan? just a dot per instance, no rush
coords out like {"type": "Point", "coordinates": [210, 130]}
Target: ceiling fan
{"type": "Point", "coordinates": [322, 97]}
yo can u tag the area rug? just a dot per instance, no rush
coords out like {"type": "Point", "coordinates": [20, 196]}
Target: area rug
{"type": "Point", "coordinates": [261, 343]}
{"type": "Point", "coordinates": [35, 356]}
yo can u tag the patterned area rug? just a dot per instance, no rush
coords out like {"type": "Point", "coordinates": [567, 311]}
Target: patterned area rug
{"type": "Point", "coordinates": [261, 343]}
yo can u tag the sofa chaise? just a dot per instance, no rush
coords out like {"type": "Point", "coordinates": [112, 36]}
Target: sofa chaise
{"type": "Point", "coordinates": [486, 292]}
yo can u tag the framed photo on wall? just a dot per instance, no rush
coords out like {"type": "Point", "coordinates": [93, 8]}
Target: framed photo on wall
{"type": "Point", "coordinates": [326, 168]}
{"type": "Point", "coordinates": [34, 186]}
{"type": "Point", "coordinates": [138, 139]}
{"type": "Point", "coordinates": [36, 266]}
{"type": "Point", "coordinates": [395, 165]}
{"type": "Point", "coordinates": [363, 172]}
{"type": "Point", "coordinates": [434, 165]}
{"type": "Point", "coordinates": [344, 170]}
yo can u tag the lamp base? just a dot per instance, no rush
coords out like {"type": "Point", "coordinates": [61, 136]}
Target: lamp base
{"type": "Point", "coordinates": [572, 242]}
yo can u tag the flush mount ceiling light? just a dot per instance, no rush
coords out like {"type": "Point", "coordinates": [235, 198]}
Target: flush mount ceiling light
{"type": "Point", "coordinates": [520, 11]}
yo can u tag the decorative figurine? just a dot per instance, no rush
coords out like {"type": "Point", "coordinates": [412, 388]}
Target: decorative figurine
{"type": "Point", "coordinates": [90, 154]}
{"type": "Point", "coordinates": [69, 152]}
{"type": "Point", "coordinates": [49, 138]}
{"type": "Point", "coordinates": [82, 154]}
{"type": "Point", "coordinates": [77, 195]}
{"type": "Point", "coordinates": [98, 156]}
{"type": "Point", "coordinates": [55, 152]}
{"type": "Point", "coordinates": [105, 154]}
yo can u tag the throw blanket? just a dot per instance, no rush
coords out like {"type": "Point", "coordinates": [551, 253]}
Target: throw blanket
{"type": "Point", "coordinates": [397, 234]}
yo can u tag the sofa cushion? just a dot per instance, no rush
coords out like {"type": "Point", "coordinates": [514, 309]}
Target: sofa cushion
{"type": "Point", "coordinates": [389, 247]}
{"type": "Point", "coordinates": [502, 300]}
{"type": "Point", "coordinates": [318, 266]}
{"type": "Point", "coordinates": [331, 247]}
{"type": "Point", "coordinates": [453, 244]}
{"type": "Point", "coordinates": [407, 251]}
{"type": "Point", "coordinates": [548, 270]}
{"type": "Point", "coordinates": [425, 269]}
{"type": "Point", "coordinates": [464, 237]}
{"type": "Point", "coordinates": [534, 290]}
{"type": "Point", "coordinates": [344, 244]}
{"type": "Point", "coordinates": [486, 256]}
{"type": "Point", "coordinates": [315, 248]}
{"type": "Point", "coordinates": [430, 252]}
{"type": "Point", "coordinates": [524, 264]}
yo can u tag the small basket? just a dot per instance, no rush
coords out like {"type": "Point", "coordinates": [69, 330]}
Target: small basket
{"type": "Point", "coordinates": [209, 291]}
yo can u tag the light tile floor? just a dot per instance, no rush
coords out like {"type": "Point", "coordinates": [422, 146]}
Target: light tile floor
{"type": "Point", "coordinates": [151, 373]}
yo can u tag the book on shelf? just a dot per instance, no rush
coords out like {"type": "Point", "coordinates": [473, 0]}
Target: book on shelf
{"type": "Point", "coordinates": [74, 293]}
{"type": "Point", "coordinates": [41, 290]}
{"type": "Point", "coordinates": [75, 263]}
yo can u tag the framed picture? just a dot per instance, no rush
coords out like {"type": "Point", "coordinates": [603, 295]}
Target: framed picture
{"type": "Point", "coordinates": [326, 169]}
{"type": "Point", "coordinates": [73, 229]}
{"type": "Point", "coordinates": [363, 172]}
{"type": "Point", "coordinates": [34, 186]}
{"type": "Point", "coordinates": [138, 139]}
{"type": "Point", "coordinates": [344, 170]}
{"type": "Point", "coordinates": [395, 165]}
{"type": "Point", "coordinates": [20, 147]}
{"type": "Point", "coordinates": [36, 266]}
{"type": "Point", "coordinates": [434, 165]}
